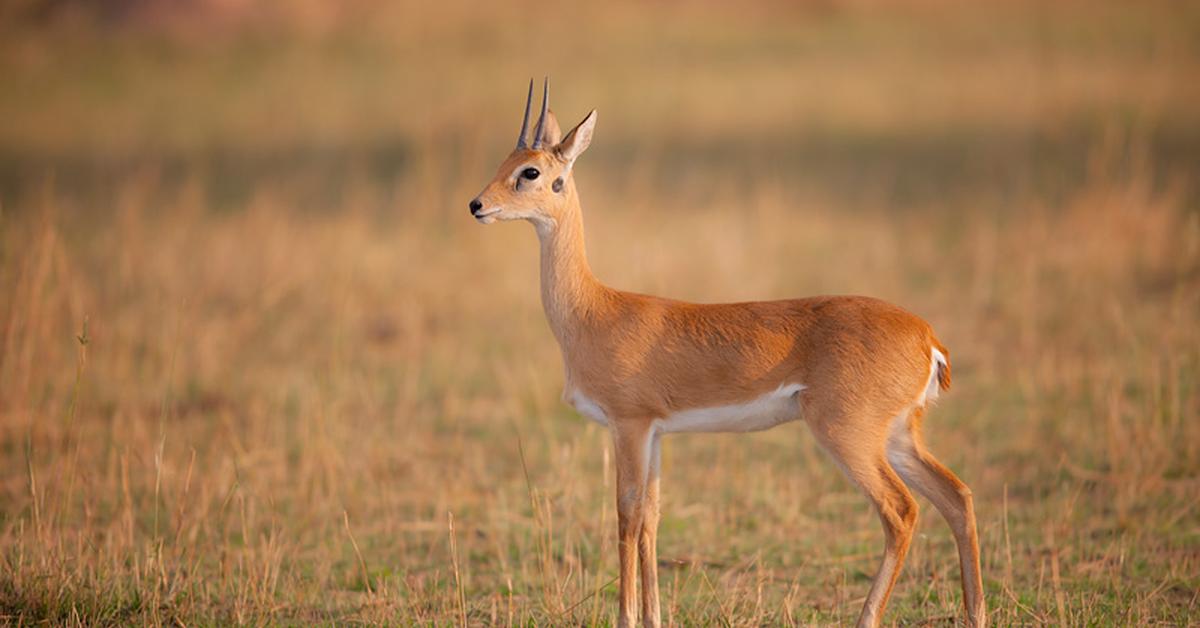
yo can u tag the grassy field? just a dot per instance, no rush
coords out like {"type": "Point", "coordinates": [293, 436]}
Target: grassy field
{"type": "Point", "coordinates": [257, 364]}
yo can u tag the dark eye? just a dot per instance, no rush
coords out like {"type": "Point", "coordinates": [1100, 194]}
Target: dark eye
{"type": "Point", "coordinates": [530, 173]}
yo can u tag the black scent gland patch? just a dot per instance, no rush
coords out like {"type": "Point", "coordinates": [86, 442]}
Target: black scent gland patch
{"type": "Point", "coordinates": [557, 185]}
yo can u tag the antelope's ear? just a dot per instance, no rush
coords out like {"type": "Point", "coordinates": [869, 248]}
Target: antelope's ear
{"type": "Point", "coordinates": [573, 145]}
{"type": "Point", "coordinates": [551, 134]}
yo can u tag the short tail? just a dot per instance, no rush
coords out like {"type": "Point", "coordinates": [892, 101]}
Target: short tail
{"type": "Point", "coordinates": [943, 364]}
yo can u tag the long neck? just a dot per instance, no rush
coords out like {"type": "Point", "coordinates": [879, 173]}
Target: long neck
{"type": "Point", "coordinates": [569, 289]}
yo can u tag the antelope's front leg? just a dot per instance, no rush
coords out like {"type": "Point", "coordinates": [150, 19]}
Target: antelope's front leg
{"type": "Point", "coordinates": [632, 449]}
{"type": "Point", "coordinates": [648, 548]}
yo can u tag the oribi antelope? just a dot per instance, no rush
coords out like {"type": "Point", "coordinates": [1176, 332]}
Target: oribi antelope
{"type": "Point", "coordinates": [859, 371]}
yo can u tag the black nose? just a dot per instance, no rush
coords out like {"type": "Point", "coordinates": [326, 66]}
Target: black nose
{"type": "Point", "coordinates": [476, 206]}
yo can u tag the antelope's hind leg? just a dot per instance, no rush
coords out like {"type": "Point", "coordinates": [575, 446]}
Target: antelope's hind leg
{"type": "Point", "coordinates": [867, 465]}
{"type": "Point", "coordinates": [952, 498]}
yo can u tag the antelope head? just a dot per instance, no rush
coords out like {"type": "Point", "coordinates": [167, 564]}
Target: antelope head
{"type": "Point", "coordinates": [534, 182]}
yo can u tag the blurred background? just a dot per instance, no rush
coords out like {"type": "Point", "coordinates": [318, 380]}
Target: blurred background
{"type": "Point", "coordinates": [257, 364]}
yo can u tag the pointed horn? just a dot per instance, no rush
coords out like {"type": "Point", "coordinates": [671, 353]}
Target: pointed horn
{"type": "Point", "coordinates": [537, 131]}
{"type": "Point", "coordinates": [525, 122]}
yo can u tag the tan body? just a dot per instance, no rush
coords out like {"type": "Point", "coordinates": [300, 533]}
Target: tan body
{"type": "Point", "coordinates": [857, 370]}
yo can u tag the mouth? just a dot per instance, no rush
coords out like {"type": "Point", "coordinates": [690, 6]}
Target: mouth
{"type": "Point", "coordinates": [487, 217]}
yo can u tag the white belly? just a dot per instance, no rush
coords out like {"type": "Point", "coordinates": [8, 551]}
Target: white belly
{"type": "Point", "coordinates": [780, 406]}
{"type": "Point", "coordinates": [586, 407]}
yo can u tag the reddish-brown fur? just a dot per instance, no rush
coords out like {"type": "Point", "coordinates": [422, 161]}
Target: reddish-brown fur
{"type": "Point", "coordinates": [864, 365]}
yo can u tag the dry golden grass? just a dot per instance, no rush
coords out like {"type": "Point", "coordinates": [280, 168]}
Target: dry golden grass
{"type": "Point", "coordinates": [258, 365]}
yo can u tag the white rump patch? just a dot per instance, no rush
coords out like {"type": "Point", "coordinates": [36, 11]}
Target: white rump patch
{"type": "Point", "coordinates": [780, 406]}
{"type": "Point", "coordinates": [901, 451]}
{"type": "Point", "coordinates": [936, 360]}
